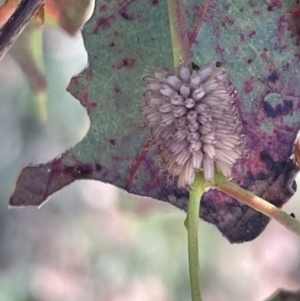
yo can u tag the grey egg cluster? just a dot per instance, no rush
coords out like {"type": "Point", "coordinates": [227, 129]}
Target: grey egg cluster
{"type": "Point", "coordinates": [194, 122]}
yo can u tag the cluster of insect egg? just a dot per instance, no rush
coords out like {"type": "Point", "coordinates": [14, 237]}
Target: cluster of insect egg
{"type": "Point", "coordinates": [194, 122]}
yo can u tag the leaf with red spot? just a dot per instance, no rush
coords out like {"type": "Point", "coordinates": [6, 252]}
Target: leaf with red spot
{"type": "Point", "coordinates": [127, 40]}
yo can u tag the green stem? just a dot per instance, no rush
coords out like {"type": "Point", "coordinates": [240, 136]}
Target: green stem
{"type": "Point", "coordinates": [192, 228]}
{"type": "Point", "coordinates": [257, 203]}
{"type": "Point", "coordinates": [179, 34]}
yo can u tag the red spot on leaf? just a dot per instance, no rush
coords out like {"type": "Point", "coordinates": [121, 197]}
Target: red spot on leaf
{"type": "Point", "coordinates": [154, 2]}
{"type": "Point", "coordinates": [249, 85]}
{"type": "Point", "coordinates": [103, 7]}
{"type": "Point", "coordinates": [98, 167]}
{"type": "Point", "coordinates": [281, 109]}
{"type": "Point", "coordinates": [294, 20]}
{"type": "Point", "coordinates": [117, 89]}
{"type": "Point", "coordinates": [258, 164]}
{"type": "Point", "coordinates": [228, 20]}
{"type": "Point", "coordinates": [126, 16]}
{"type": "Point", "coordinates": [282, 25]}
{"type": "Point", "coordinates": [264, 55]}
{"type": "Point", "coordinates": [274, 4]}
{"type": "Point", "coordinates": [273, 77]}
{"type": "Point", "coordinates": [117, 159]}
{"type": "Point", "coordinates": [252, 33]}
{"type": "Point", "coordinates": [79, 171]}
{"type": "Point", "coordinates": [236, 49]}
{"type": "Point", "coordinates": [83, 97]}
{"type": "Point", "coordinates": [125, 63]}
{"type": "Point", "coordinates": [102, 23]}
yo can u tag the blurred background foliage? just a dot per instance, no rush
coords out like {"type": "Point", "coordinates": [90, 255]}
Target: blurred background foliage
{"type": "Point", "coordinates": [92, 241]}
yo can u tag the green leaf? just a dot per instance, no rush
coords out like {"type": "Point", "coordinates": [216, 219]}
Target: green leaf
{"type": "Point", "coordinates": [68, 14]}
{"type": "Point", "coordinates": [126, 41]}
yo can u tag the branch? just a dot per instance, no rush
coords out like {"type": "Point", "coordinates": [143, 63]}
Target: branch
{"type": "Point", "coordinates": [16, 23]}
{"type": "Point", "coordinates": [257, 203]}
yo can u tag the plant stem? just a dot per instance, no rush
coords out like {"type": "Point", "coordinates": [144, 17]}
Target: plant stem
{"type": "Point", "coordinates": [192, 228]}
{"type": "Point", "coordinates": [179, 35]}
{"type": "Point", "coordinates": [257, 203]}
{"type": "Point", "coordinates": [182, 56]}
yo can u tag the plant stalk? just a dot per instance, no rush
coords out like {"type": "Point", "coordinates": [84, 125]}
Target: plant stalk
{"type": "Point", "coordinates": [179, 34]}
{"type": "Point", "coordinates": [192, 222]}
{"type": "Point", "coordinates": [257, 203]}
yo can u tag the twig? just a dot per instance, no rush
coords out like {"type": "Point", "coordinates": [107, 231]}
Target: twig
{"type": "Point", "coordinates": [194, 34]}
{"type": "Point", "coordinates": [180, 41]}
{"type": "Point", "coordinates": [257, 203]}
{"type": "Point", "coordinates": [16, 23]}
{"type": "Point", "coordinates": [7, 9]}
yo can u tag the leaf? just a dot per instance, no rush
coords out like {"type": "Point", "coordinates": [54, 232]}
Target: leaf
{"type": "Point", "coordinates": [125, 41]}
{"type": "Point", "coordinates": [39, 17]}
{"type": "Point", "coordinates": [285, 296]}
{"type": "Point", "coordinates": [69, 14]}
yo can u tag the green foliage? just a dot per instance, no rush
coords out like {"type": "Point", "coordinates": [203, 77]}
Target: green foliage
{"type": "Point", "coordinates": [127, 41]}
{"type": "Point", "coordinates": [124, 43]}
